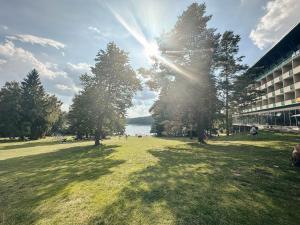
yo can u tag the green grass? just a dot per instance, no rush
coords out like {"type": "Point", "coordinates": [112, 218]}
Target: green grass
{"type": "Point", "coordinates": [237, 180]}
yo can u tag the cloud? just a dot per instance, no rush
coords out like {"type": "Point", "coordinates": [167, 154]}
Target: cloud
{"type": "Point", "coordinates": [27, 38]}
{"type": "Point", "coordinates": [2, 61]}
{"type": "Point", "coordinates": [280, 16]}
{"type": "Point", "coordinates": [95, 29]}
{"type": "Point", "coordinates": [16, 62]}
{"type": "Point", "coordinates": [80, 67]}
{"type": "Point", "coordinates": [107, 34]}
{"type": "Point", "coordinates": [4, 27]}
{"type": "Point", "coordinates": [63, 87]}
{"type": "Point", "coordinates": [141, 109]}
{"type": "Point", "coordinates": [145, 94]}
{"type": "Point", "coordinates": [18, 59]}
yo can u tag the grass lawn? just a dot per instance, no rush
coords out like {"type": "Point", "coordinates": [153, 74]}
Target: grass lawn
{"type": "Point", "coordinates": [237, 180]}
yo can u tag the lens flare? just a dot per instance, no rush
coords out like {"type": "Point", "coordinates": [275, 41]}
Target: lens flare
{"type": "Point", "coordinates": [151, 48]}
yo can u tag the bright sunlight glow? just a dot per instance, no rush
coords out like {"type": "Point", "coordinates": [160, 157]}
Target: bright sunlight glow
{"type": "Point", "coordinates": [151, 48]}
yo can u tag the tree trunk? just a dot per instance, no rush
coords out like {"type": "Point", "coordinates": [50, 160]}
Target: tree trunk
{"type": "Point", "coordinates": [191, 132]}
{"type": "Point", "coordinates": [98, 132]}
{"type": "Point", "coordinates": [226, 108]}
{"type": "Point", "coordinates": [200, 129]}
{"type": "Point", "coordinates": [97, 137]}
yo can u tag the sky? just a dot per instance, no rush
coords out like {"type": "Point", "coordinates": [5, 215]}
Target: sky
{"type": "Point", "coordinates": [60, 38]}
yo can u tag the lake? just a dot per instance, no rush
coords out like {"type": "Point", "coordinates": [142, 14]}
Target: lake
{"type": "Point", "coordinates": [133, 129]}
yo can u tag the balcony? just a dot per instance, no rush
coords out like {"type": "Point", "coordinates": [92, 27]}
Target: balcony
{"type": "Point", "coordinates": [297, 85]}
{"type": "Point", "coordinates": [278, 104]}
{"type": "Point", "coordinates": [272, 105]}
{"type": "Point", "coordinates": [271, 94]}
{"type": "Point", "coordinates": [264, 86]}
{"type": "Point", "coordinates": [264, 107]}
{"type": "Point", "coordinates": [279, 91]}
{"type": "Point", "coordinates": [278, 79]}
{"type": "Point", "coordinates": [289, 102]}
{"type": "Point", "coordinates": [264, 97]}
{"type": "Point", "coordinates": [287, 74]}
{"type": "Point", "coordinates": [289, 88]}
{"type": "Point", "coordinates": [296, 70]}
{"type": "Point", "coordinates": [270, 83]}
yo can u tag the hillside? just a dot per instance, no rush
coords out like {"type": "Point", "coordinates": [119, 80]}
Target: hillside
{"type": "Point", "coordinates": [145, 120]}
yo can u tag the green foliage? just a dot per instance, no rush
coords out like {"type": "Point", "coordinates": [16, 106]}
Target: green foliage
{"type": "Point", "coordinates": [244, 92]}
{"type": "Point", "coordinates": [26, 110]}
{"type": "Point", "coordinates": [229, 66]}
{"type": "Point", "coordinates": [107, 94]}
{"type": "Point", "coordinates": [10, 110]}
{"type": "Point", "coordinates": [187, 97]}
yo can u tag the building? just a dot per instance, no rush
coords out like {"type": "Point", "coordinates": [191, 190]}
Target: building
{"type": "Point", "coordinates": [278, 78]}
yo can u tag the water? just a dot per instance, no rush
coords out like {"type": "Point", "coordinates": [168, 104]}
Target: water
{"type": "Point", "coordinates": [133, 129]}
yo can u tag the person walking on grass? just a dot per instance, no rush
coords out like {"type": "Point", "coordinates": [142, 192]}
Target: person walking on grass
{"type": "Point", "coordinates": [253, 130]}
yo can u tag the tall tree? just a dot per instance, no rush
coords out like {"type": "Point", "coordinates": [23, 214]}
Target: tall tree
{"type": "Point", "coordinates": [110, 89]}
{"type": "Point", "coordinates": [39, 110]}
{"type": "Point", "coordinates": [10, 110]}
{"type": "Point", "coordinates": [190, 47]}
{"type": "Point", "coordinates": [230, 66]}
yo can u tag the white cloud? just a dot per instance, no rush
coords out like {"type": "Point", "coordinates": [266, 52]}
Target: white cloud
{"type": "Point", "coordinates": [139, 110]}
{"type": "Point", "coordinates": [37, 40]}
{"type": "Point", "coordinates": [95, 29]}
{"type": "Point", "coordinates": [19, 59]}
{"type": "Point", "coordinates": [3, 61]}
{"type": "Point", "coordinates": [280, 16]}
{"type": "Point", "coordinates": [80, 67]}
{"type": "Point", "coordinates": [63, 87]}
{"type": "Point", "coordinates": [4, 27]}
{"type": "Point", "coordinates": [63, 81]}
{"type": "Point", "coordinates": [16, 62]}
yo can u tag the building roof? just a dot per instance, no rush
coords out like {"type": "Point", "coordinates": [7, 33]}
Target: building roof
{"type": "Point", "coordinates": [283, 49]}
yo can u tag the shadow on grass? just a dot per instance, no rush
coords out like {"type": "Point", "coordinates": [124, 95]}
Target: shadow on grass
{"type": "Point", "coordinates": [27, 144]}
{"type": "Point", "coordinates": [213, 184]}
{"type": "Point", "coordinates": [28, 181]}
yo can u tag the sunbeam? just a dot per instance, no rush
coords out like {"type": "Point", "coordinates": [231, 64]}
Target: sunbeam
{"type": "Point", "coordinates": [151, 48]}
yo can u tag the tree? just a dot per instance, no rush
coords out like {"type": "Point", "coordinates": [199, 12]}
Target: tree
{"type": "Point", "coordinates": [230, 67]}
{"type": "Point", "coordinates": [39, 110]}
{"type": "Point", "coordinates": [109, 91]}
{"type": "Point", "coordinates": [244, 92]}
{"type": "Point", "coordinates": [53, 112]}
{"type": "Point", "coordinates": [190, 47]}
{"type": "Point", "coordinates": [80, 116]}
{"type": "Point", "coordinates": [10, 110]}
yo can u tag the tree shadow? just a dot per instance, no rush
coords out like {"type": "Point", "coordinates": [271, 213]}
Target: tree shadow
{"type": "Point", "coordinates": [29, 144]}
{"type": "Point", "coordinates": [212, 184]}
{"type": "Point", "coordinates": [26, 182]}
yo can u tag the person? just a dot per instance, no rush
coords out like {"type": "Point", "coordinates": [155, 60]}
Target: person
{"type": "Point", "coordinates": [253, 130]}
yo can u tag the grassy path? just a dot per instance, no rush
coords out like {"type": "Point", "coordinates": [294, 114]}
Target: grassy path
{"type": "Point", "coordinates": [236, 180]}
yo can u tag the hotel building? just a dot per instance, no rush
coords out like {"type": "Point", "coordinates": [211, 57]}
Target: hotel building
{"type": "Point", "coordinates": [278, 77]}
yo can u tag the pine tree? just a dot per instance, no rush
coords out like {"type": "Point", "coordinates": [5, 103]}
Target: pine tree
{"type": "Point", "coordinates": [34, 110]}
{"type": "Point", "coordinates": [230, 66]}
{"type": "Point", "coordinates": [190, 47]}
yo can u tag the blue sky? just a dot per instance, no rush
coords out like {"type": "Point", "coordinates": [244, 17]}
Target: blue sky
{"type": "Point", "coordinates": [61, 37]}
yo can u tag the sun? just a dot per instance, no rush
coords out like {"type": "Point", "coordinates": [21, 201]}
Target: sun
{"type": "Point", "coordinates": [151, 50]}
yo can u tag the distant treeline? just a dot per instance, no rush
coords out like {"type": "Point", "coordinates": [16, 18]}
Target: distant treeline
{"type": "Point", "coordinates": [145, 120]}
